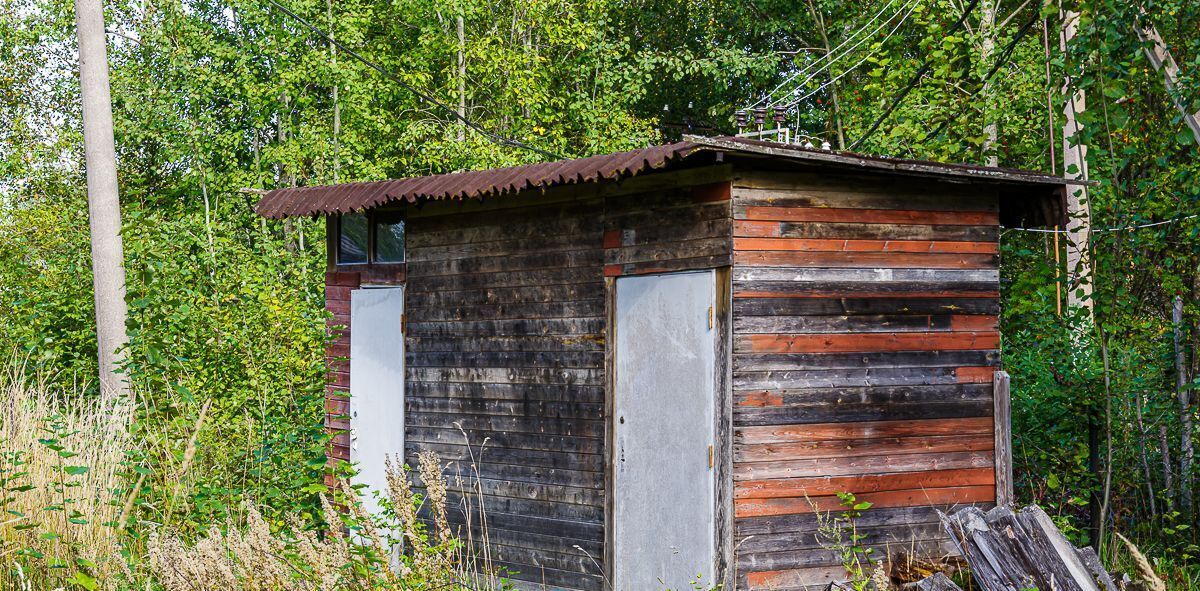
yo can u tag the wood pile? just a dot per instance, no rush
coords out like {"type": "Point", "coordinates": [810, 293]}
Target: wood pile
{"type": "Point", "coordinates": [1009, 551]}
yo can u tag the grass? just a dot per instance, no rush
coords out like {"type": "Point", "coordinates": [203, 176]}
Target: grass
{"type": "Point", "coordinates": [82, 506]}
{"type": "Point", "coordinates": [61, 460]}
{"type": "Point", "coordinates": [72, 473]}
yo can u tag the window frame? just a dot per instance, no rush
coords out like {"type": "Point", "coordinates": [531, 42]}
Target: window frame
{"type": "Point", "coordinates": [374, 220]}
{"type": "Point", "coordinates": [373, 217]}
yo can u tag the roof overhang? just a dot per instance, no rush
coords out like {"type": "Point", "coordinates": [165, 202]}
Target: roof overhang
{"type": "Point", "coordinates": [1027, 198]}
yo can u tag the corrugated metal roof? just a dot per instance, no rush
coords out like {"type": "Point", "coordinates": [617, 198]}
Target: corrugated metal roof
{"type": "Point", "coordinates": [472, 184]}
{"type": "Point", "coordinates": [503, 181]}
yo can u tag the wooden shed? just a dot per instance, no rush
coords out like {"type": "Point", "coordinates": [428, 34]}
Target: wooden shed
{"type": "Point", "coordinates": [678, 356]}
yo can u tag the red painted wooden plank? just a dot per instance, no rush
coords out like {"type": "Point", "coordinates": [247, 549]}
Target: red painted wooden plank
{"type": "Point", "coordinates": [712, 192]}
{"type": "Point", "coordinates": [795, 578]}
{"type": "Point", "coordinates": [872, 216]}
{"type": "Point", "coordinates": [772, 452]}
{"type": "Point", "coordinates": [768, 242]}
{"type": "Point", "coordinates": [832, 485]}
{"type": "Point", "coordinates": [868, 342]}
{"type": "Point", "coordinates": [880, 500]}
{"type": "Point", "coordinates": [761, 399]}
{"type": "Point", "coordinates": [337, 292]}
{"type": "Point", "coordinates": [975, 375]}
{"type": "Point", "coordinates": [975, 322]}
{"type": "Point", "coordinates": [342, 278]}
{"type": "Point", "coordinates": [742, 292]}
{"type": "Point", "coordinates": [869, 260]}
{"type": "Point", "coordinates": [862, 430]}
{"type": "Point", "coordinates": [611, 239]}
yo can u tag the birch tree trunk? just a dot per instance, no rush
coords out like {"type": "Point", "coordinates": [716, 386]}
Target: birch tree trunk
{"type": "Point", "coordinates": [1079, 215]}
{"type": "Point", "coordinates": [833, 89]}
{"type": "Point", "coordinates": [1185, 411]}
{"type": "Point", "coordinates": [1164, 450]}
{"type": "Point", "coordinates": [987, 29]}
{"type": "Point", "coordinates": [337, 105]}
{"type": "Point", "coordinates": [104, 205]}
{"type": "Point", "coordinates": [460, 26]}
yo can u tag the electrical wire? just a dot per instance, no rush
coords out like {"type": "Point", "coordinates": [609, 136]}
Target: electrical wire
{"type": "Point", "coordinates": [766, 98]}
{"type": "Point", "coordinates": [916, 79]}
{"type": "Point", "coordinates": [1118, 229]}
{"type": "Point", "coordinates": [1004, 54]}
{"type": "Point", "coordinates": [851, 68]}
{"type": "Point", "coordinates": [495, 137]}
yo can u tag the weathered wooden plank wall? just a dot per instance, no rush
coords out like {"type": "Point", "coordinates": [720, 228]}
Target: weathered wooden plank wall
{"type": "Point", "coordinates": [865, 341]}
{"type": "Point", "coordinates": [504, 353]}
{"type": "Point", "coordinates": [505, 350]}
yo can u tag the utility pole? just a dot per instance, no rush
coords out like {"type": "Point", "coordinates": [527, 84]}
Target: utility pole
{"type": "Point", "coordinates": [1079, 214]}
{"type": "Point", "coordinates": [104, 206]}
{"type": "Point", "coordinates": [1160, 57]}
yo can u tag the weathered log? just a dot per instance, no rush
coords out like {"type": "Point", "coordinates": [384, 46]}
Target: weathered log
{"type": "Point", "coordinates": [1009, 551]}
{"type": "Point", "coordinates": [934, 582]}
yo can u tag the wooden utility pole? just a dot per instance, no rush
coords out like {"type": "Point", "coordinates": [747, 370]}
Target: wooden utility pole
{"type": "Point", "coordinates": [1160, 57]}
{"type": "Point", "coordinates": [104, 206]}
{"type": "Point", "coordinates": [1079, 215]}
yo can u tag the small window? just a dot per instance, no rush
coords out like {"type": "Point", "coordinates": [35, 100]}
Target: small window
{"type": "Point", "coordinates": [352, 239]}
{"type": "Point", "coordinates": [389, 241]}
{"type": "Point", "coordinates": [371, 238]}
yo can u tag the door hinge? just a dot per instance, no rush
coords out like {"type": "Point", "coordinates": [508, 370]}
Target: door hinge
{"type": "Point", "coordinates": [403, 324]}
{"type": "Point", "coordinates": [710, 317]}
{"type": "Point", "coordinates": [710, 457]}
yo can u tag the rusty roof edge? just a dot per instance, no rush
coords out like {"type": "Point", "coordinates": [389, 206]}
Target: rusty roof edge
{"type": "Point", "coordinates": [315, 200]}
{"type": "Point", "coordinates": [883, 164]}
{"type": "Point", "coordinates": [318, 200]}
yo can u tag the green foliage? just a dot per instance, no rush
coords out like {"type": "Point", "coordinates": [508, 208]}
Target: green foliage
{"type": "Point", "coordinates": [226, 315]}
{"type": "Point", "coordinates": [840, 534]}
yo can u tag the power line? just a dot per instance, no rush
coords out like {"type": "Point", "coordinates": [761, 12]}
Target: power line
{"type": "Point", "coordinates": [1004, 54]}
{"type": "Point", "coordinates": [828, 56]}
{"type": "Point", "coordinates": [497, 138]}
{"type": "Point", "coordinates": [851, 68]}
{"type": "Point", "coordinates": [1117, 229]}
{"type": "Point", "coordinates": [916, 79]}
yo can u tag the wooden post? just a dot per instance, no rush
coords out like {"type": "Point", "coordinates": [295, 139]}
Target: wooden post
{"type": "Point", "coordinates": [1002, 428]}
{"type": "Point", "coordinates": [104, 205]}
{"type": "Point", "coordinates": [1160, 57]}
{"type": "Point", "coordinates": [1057, 274]}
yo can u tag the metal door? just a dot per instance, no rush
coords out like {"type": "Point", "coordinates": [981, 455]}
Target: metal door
{"type": "Point", "coordinates": [664, 507]}
{"type": "Point", "coordinates": [376, 385]}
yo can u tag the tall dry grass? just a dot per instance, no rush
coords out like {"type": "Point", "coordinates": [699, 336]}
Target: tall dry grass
{"type": "Point", "coordinates": [68, 494]}
{"type": "Point", "coordinates": [354, 551]}
{"type": "Point", "coordinates": [61, 458]}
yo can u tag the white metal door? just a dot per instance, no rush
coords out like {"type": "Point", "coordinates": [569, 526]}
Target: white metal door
{"type": "Point", "coordinates": [376, 385]}
{"type": "Point", "coordinates": [664, 507]}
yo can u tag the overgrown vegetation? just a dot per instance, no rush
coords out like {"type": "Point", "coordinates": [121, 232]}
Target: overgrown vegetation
{"type": "Point", "coordinates": [92, 519]}
{"type": "Point", "coordinates": [212, 96]}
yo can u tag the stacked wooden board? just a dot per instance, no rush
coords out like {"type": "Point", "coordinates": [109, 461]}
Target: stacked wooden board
{"type": "Point", "coordinates": [1013, 551]}
{"type": "Point", "coordinates": [865, 341]}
